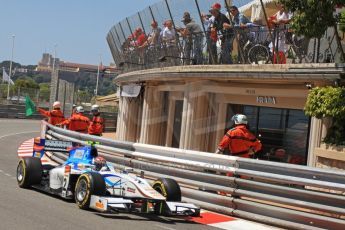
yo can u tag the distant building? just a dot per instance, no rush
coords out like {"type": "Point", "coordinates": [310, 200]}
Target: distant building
{"type": "Point", "coordinates": [46, 63]}
{"type": "Point", "coordinates": [109, 100]}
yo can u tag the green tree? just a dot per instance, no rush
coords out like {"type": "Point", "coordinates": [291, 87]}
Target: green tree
{"type": "Point", "coordinates": [313, 17]}
{"type": "Point", "coordinates": [83, 96]}
{"type": "Point", "coordinates": [26, 83]}
{"type": "Point", "coordinates": [44, 91]}
{"type": "Point", "coordinates": [342, 22]}
{"type": "Point", "coordinates": [329, 102]}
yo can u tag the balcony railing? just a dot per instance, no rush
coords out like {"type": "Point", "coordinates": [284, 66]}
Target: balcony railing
{"type": "Point", "coordinates": [251, 44]}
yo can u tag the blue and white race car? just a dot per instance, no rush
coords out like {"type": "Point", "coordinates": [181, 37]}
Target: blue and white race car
{"type": "Point", "coordinates": [96, 184]}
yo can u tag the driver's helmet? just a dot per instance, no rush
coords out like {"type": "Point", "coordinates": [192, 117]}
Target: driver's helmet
{"type": "Point", "coordinates": [99, 163]}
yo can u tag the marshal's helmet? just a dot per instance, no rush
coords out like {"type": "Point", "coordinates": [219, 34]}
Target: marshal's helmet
{"type": "Point", "coordinates": [56, 105]}
{"type": "Point", "coordinates": [95, 108]}
{"type": "Point", "coordinates": [80, 109]}
{"type": "Point", "coordinates": [240, 119]}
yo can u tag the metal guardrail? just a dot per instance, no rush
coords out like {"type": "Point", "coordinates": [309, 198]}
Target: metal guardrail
{"type": "Point", "coordinates": [289, 196]}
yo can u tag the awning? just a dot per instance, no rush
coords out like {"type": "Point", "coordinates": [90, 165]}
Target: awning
{"type": "Point", "coordinates": [253, 10]}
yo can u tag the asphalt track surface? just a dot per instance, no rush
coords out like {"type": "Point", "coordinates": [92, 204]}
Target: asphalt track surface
{"type": "Point", "coordinates": [30, 209]}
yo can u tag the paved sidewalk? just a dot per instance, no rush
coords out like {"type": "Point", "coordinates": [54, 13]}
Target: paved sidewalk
{"type": "Point", "coordinates": [110, 135]}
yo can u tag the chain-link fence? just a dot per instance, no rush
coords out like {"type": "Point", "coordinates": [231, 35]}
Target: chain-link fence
{"type": "Point", "coordinates": [17, 95]}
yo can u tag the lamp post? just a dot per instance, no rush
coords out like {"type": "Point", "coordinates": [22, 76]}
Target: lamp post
{"type": "Point", "coordinates": [9, 77]}
{"type": "Point", "coordinates": [54, 57]}
{"type": "Point", "coordinates": [98, 70]}
{"type": "Point", "coordinates": [54, 82]}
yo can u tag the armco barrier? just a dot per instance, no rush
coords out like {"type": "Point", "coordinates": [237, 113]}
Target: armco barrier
{"type": "Point", "coordinates": [273, 193]}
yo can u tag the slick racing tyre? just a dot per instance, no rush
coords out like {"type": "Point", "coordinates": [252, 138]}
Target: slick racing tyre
{"type": "Point", "coordinates": [88, 184]}
{"type": "Point", "coordinates": [29, 172]}
{"type": "Point", "coordinates": [169, 188]}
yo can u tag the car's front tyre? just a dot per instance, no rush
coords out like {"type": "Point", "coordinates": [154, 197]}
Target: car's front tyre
{"type": "Point", "coordinates": [88, 184]}
{"type": "Point", "coordinates": [169, 188]}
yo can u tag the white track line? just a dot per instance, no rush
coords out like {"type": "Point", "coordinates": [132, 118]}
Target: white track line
{"type": "Point", "coordinates": [14, 134]}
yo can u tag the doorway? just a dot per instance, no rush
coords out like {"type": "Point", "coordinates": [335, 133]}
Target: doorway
{"type": "Point", "coordinates": [177, 124]}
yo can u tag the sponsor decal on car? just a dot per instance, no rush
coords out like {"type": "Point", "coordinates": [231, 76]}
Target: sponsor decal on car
{"type": "Point", "coordinates": [37, 154]}
{"type": "Point", "coordinates": [132, 190]}
{"type": "Point", "coordinates": [54, 145]}
{"type": "Point", "coordinates": [81, 166]}
{"type": "Point", "coordinates": [99, 204]}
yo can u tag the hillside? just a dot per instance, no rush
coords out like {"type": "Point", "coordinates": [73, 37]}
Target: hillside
{"type": "Point", "coordinates": [26, 76]}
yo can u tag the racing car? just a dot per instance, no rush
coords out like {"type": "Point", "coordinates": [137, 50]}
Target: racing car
{"type": "Point", "coordinates": [96, 184]}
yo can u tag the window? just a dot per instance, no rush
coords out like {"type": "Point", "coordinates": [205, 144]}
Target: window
{"type": "Point", "coordinates": [283, 131]}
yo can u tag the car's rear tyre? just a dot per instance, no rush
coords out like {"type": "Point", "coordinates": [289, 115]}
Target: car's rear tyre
{"type": "Point", "coordinates": [169, 188]}
{"type": "Point", "coordinates": [29, 172]}
{"type": "Point", "coordinates": [88, 184]}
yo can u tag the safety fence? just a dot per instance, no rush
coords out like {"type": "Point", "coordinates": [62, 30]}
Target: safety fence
{"type": "Point", "coordinates": [136, 44]}
{"type": "Point", "coordinates": [17, 95]}
{"type": "Point", "coordinates": [284, 195]}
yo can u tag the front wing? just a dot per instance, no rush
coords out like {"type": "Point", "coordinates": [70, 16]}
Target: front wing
{"type": "Point", "coordinates": [117, 204]}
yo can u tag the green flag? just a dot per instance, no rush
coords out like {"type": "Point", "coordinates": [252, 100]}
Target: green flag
{"type": "Point", "coordinates": [30, 106]}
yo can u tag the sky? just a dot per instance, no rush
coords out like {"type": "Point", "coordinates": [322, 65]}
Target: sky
{"type": "Point", "coordinates": [76, 28]}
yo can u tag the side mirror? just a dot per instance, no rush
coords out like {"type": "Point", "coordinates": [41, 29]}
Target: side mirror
{"type": "Point", "coordinates": [128, 170]}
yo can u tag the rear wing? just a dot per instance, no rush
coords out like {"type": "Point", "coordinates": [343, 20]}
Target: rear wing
{"type": "Point", "coordinates": [58, 146]}
{"type": "Point", "coordinates": [40, 146]}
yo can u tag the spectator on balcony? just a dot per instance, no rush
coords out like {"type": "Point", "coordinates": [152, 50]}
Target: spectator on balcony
{"type": "Point", "coordinates": [152, 43]}
{"type": "Point", "coordinates": [169, 40]}
{"type": "Point", "coordinates": [240, 23]}
{"type": "Point", "coordinates": [278, 21]}
{"type": "Point", "coordinates": [164, 24]}
{"type": "Point", "coordinates": [282, 17]}
{"type": "Point", "coordinates": [139, 41]}
{"type": "Point", "coordinates": [211, 38]}
{"type": "Point", "coordinates": [139, 38]}
{"type": "Point", "coordinates": [193, 36]}
{"type": "Point", "coordinates": [238, 19]}
{"type": "Point", "coordinates": [154, 36]}
{"type": "Point", "coordinates": [227, 34]}
{"type": "Point", "coordinates": [169, 34]}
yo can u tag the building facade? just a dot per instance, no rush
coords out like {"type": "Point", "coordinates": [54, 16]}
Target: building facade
{"type": "Point", "coordinates": [190, 107]}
